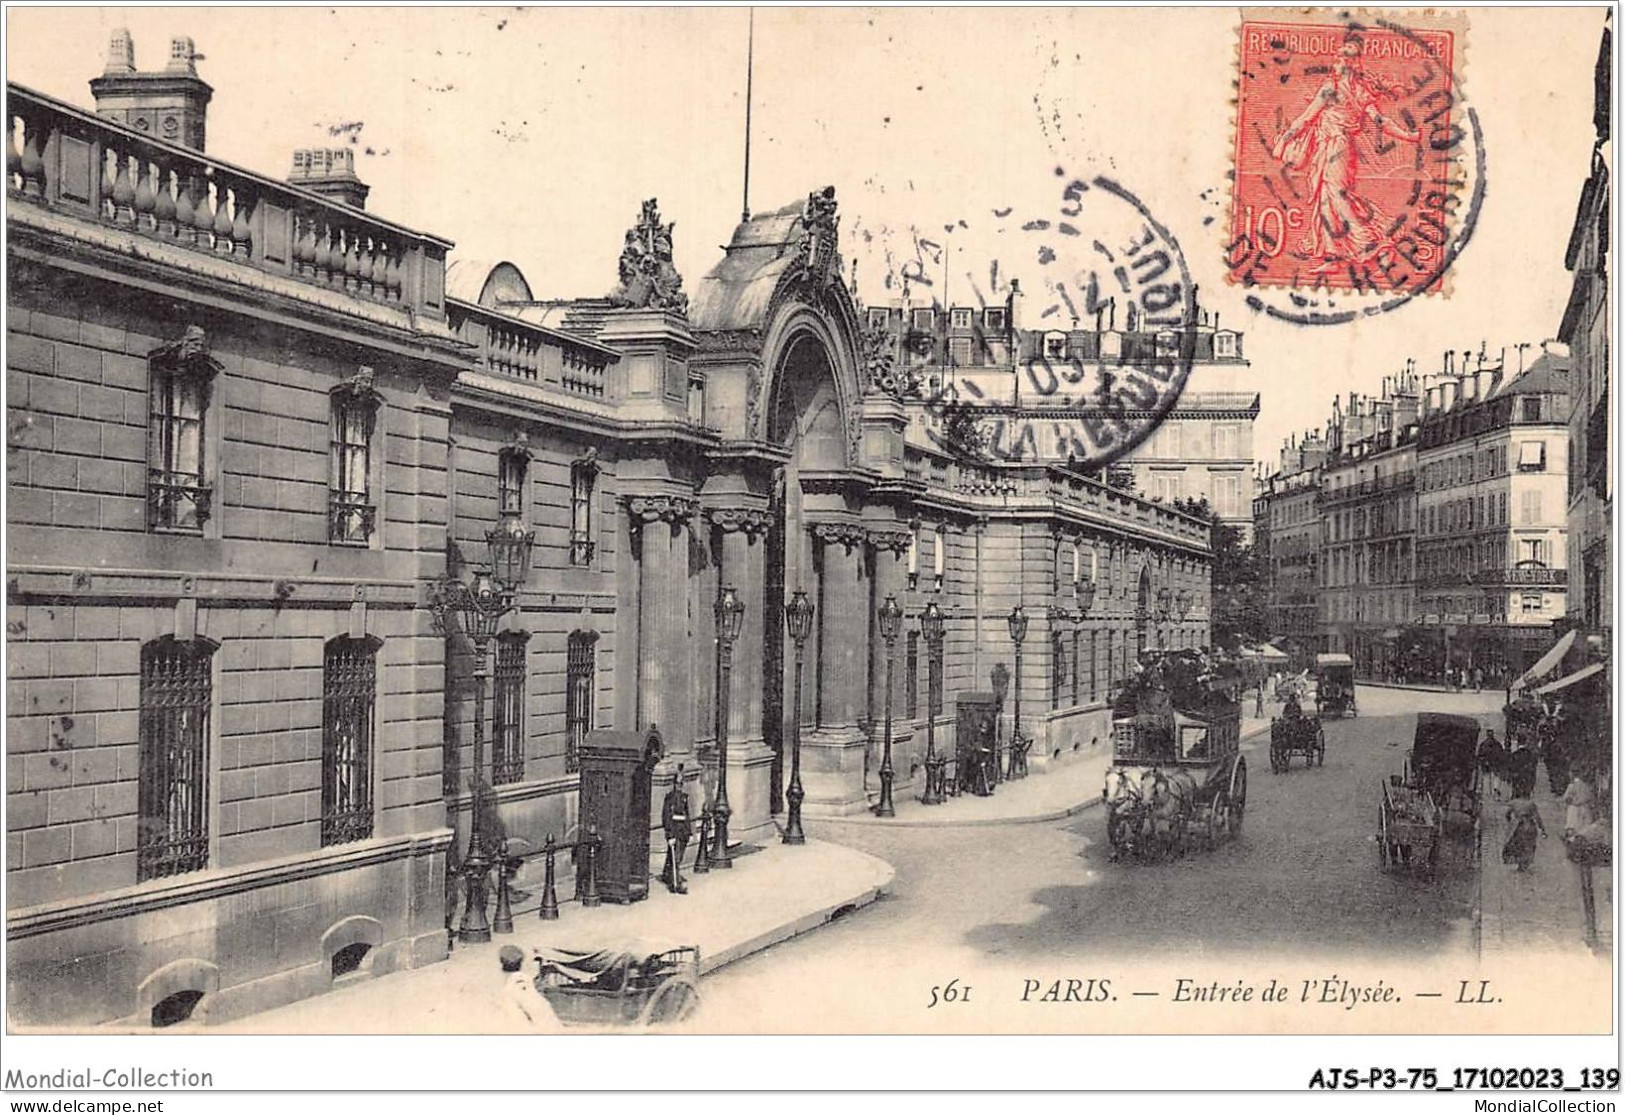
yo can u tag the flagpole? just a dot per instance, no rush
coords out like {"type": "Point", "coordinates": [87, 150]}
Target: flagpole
{"type": "Point", "coordinates": [750, 60]}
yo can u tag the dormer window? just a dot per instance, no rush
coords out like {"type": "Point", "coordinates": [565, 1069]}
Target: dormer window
{"type": "Point", "coordinates": [877, 317]}
{"type": "Point", "coordinates": [351, 509]}
{"type": "Point", "coordinates": [1055, 345]}
{"type": "Point", "coordinates": [994, 319]}
{"type": "Point", "coordinates": [960, 318]}
{"type": "Point", "coordinates": [922, 320]}
{"type": "Point", "coordinates": [1167, 343]}
{"type": "Point", "coordinates": [179, 491]}
{"type": "Point", "coordinates": [1224, 344]}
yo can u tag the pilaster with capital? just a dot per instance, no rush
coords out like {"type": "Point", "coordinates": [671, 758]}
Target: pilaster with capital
{"type": "Point", "coordinates": [661, 520]}
{"type": "Point", "coordinates": [846, 623]}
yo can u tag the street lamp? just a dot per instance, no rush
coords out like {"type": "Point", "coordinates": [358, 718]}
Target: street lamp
{"type": "Point", "coordinates": [798, 617]}
{"type": "Point", "coordinates": [931, 628]}
{"type": "Point", "coordinates": [1018, 631]}
{"type": "Point", "coordinates": [730, 611]}
{"type": "Point", "coordinates": [891, 621]}
{"type": "Point", "coordinates": [477, 609]}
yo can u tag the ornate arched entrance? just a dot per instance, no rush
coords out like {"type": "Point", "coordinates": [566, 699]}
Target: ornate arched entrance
{"type": "Point", "coordinates": [779, 344]}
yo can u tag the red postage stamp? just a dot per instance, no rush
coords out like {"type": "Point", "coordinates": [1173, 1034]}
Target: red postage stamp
{"type": "Point", "coordinates": [1349, 153]}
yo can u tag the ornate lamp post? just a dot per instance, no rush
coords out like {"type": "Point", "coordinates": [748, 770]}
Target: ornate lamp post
{"type": "Point", "coordinates": [477, 609]}
{"type": "Point", "coordinates": [798, 617]}
{"type": "Point", "coordinates": [891, 621]}
{"type": "Point", "coordinates": [730, 612]}
{"type": "Point", "coordinates": [931, 628]}
{"type": "Point", "coordinates": [1018, 631]}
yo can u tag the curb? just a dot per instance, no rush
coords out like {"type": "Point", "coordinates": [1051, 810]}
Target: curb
{"type": "Point", "coordinates": [982, 822]}
{"type": "Point", "coordinates": [816, 919]}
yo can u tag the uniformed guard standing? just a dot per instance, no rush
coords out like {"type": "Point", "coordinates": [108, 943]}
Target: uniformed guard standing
{"type": "Point", "coordinates": [674, 820]}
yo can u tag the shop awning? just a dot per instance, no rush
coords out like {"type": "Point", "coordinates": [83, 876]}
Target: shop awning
{"type": "Point", "coordinates": [1272, 653]}
{"type": "Point", "coordinates": [1573, 679]}
{"type": "Point", "coordinates": [1548, 661]}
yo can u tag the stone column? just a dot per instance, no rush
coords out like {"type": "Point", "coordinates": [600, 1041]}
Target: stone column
{"type": "Point", "coordinates": [890, 544]}
{"type": "Point", "coordinates": [750, 762]}
{"type": "Point", "coordinates": [846, 622]}
{"type": "Point", "coordinates": [662, 604]}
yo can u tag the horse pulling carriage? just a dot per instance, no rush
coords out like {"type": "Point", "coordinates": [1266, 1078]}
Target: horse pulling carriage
{"type": "Point", "coordinates": [620, 987]}
{"type": "Point", "coordinates": [1293, 733]}
{"type": "Point", "coordinates": [1177, 776]}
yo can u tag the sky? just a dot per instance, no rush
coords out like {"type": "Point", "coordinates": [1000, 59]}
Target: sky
{"type": "Point", "coordinates": [533, 135]}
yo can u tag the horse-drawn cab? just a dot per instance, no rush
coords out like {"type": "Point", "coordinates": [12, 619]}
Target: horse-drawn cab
{"type": "Point", "coordinates": [1293, 733]}
{"type": "Point", "coordinates": [1334, 688]}
{"type": "Point", "coordinates": [1177, 770]}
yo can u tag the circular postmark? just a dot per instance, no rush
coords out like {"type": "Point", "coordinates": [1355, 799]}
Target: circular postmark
{"type": "Point", "coordinates": [1359, 169]}
{"type": "Point", "coordinates": [1089, 334]}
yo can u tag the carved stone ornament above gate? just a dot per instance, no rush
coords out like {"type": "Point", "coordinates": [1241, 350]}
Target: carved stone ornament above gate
{"type": "Point", "coordinates": [190, 354]}
{"type": "Point", "coordinates": [649, 280]}
{"type": "Point", "coordinates": [895, 539]}
{"type": "Point", "coordinates": [753, 521]}
{"type": "Point", "coordinates": [823, 231]}
{"type": "Point", "coordinates": [661, 508]}
{"type": "Point", "coordinates": [850, 535]}
{"type": "Point", "coordinates": [880, 370]}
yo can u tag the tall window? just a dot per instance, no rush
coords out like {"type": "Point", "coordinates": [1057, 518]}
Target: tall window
{"type": "Point", "coordinates": [508, 717]}
{"type": "Point", "coordinates": [179, 496]}
{"type": "Point", "coordinates": [913, 674]}
{"type": "Point", "coordinates": [351, 510]}
{"type": "Point", "coordinates": [1094, 666]}
{"type": "Point", "coordinates": [177, 695]}
{"type": "Point", "coordinates": [513, 468]}
{"type": "Point", "coordinates": [1057, 680]}
{"type": "Point", "coordinates": [578, 695]}
{"type": "Point", "coordinates": [583, 478]}
{"type": "Point", "coordinates": [1077, 665]}
{"type": "Point", "coordinates": [349, 693]}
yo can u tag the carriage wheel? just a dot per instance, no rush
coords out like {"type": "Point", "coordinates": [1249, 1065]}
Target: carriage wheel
{"type": "Point", "coordinates": [1214, 827]}
{"type": "Point", "coordinates": [673, 1001]}
{"type": "Point", "coordinates": [1238, 796]}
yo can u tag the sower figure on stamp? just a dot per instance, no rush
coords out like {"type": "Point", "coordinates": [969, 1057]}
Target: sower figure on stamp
{"type": "Point", "coordinates": [1321, 143]}
{"type": "Point", "coordinates": [674, 821]}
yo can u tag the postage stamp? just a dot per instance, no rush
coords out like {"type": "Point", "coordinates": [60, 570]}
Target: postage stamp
{"type": "Point", "coordinates": [1356, 164]}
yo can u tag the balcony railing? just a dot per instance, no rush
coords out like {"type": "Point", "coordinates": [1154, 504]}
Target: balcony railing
{"type": "Point", "coordinates": [582, 550]}
{"type": "Point", "coordinates": [76, 163]}
{"type": "Point", "coordinates": [177, 501]}
{"type": "Point", "coordinates": [350, 518]}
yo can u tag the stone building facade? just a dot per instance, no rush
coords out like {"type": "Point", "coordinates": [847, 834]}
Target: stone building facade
{"type": "Point", "coordinates": [254, 426]}
{"type": "Point", "coordinates": [984, 356]}
{"type": "Point", "coordinates": [1290, 502]}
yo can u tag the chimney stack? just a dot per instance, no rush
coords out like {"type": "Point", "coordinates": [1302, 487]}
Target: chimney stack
{"type": "Point", "coordinates": [331, 173]}
{"type": "Point", "coordinates": [171, 104]}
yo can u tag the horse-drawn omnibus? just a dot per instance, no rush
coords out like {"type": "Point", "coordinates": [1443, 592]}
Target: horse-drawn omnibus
{"type": "Point", "coordinates": [1177, 775]}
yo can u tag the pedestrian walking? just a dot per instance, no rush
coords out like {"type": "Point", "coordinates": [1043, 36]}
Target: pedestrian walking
{"type": "Point", "coordinates": [1524, 823]}
{"type": "Point", "coordinates": [1478, 679]}
{"type": "Point", "coordinates": [1522, 766]}
{"type": "Point", "coordinates": [1258, 705]}
{"type": "Point", "coordinates": [1578, 798]}
{"type": "Point", "coordinates": [1557, 763]}
{"type": "Point", "coordinates": [1492, 760]}
{"type": "Point", "coordinates": [523, 1005]}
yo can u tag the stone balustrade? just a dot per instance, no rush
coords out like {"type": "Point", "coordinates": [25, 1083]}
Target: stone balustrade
{"type": "Point", "coordinates": [77, 163]}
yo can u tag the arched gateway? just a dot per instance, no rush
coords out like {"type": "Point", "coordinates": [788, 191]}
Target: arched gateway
{"type": "Point", "coordinates": [804, 488]}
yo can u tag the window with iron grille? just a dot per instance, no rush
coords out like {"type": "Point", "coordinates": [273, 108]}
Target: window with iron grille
{"type": "Point", "coordinates": [1077, 666]}
{"type": "Point", "coordinates": [349, 689]}
{"type": "Point", "coordinates": [912, 657]}
{"type": "Point", "coordinates": [179, 496]}
{"type": "Point", "coordinates": [578, 683]}
{"type": "Point", "coordinates": [583, 477]}
{"type": "Point", "coordinates": [1057, 669]}
{"type": "Point", "coordinates": [351, 512]}
{"type": "Point", "coordinates": [508, 717]}
{"type": "Point", "coordinates": [177, 698]}
{"type": "Point", "coordinates": [934, 692]}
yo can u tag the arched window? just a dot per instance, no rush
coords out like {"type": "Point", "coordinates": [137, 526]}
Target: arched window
{"type": "Point", "coordinates": [349, 695]}
{"type": "Point", "coordinates": [177, 700]}
{"type": "Point", "coordinates": [508, 716]}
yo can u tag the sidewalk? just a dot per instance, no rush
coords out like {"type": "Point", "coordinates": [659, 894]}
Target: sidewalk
{"type": "Point", "coordinates": [1049, 794]}
{"type": "Point", "coordinates": [1539, 909]}
{"type": "Point", "coordinates": [771, 894]}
